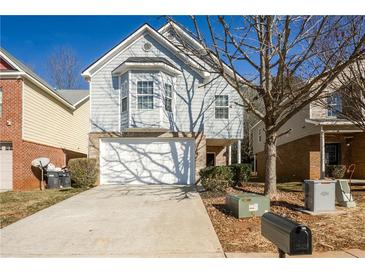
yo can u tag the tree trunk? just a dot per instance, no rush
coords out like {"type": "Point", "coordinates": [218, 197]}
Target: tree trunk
{"type": "Point", "coordinates": [270, 165]}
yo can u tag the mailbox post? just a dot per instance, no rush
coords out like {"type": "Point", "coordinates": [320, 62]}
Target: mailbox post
{"type": "Point", "coordinates": [289, 237]}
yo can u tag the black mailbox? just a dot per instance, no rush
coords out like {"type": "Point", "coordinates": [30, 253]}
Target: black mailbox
{"type": "Point", "coordinates": [290, 237]}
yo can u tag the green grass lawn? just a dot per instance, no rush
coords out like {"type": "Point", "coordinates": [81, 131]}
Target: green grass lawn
{"type": "Point", "coordinates": [17, 205]}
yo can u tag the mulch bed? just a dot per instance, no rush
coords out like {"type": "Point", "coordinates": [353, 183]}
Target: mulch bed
{"type": "Point", "coordinates": [330, 232]}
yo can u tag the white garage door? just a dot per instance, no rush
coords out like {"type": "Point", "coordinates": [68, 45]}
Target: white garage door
{"type": "Point", "coordinates": [6, 166]}
{"type": "Point", "coordinates": [147, 161]}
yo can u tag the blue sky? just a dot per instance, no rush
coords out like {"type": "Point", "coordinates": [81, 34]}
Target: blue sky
{"type": "Point", "coordinates": [31, 39]}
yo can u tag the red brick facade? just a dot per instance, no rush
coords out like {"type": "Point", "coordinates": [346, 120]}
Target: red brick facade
{"type": "Point", "coordinates": [300, 159]}
{"type": "Point", "coordinates": [24, 176]}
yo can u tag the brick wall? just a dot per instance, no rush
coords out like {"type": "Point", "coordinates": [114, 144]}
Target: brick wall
{"type": "Point", "coordinates": [4, 65]}
{"type": "Point", "coordinates": [25, 177]}
{"type": "Point", "coordinates": [200, 144]}
{"type": "Point", "coordinates": [300, 159]}
{"type": "Point", "coordinates": [358, 155]}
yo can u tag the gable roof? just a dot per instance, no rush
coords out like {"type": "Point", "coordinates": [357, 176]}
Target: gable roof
{"type": "Point", "coordinates": [96, 65]}
{"type": "Point", "coordinates": [22, 70]}
{"type": "Point", "coordinates": [74, 96]}
{"type": "Point", "coordinates": [182, 30]}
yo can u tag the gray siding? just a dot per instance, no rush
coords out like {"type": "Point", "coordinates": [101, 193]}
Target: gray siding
{"type": "Point", "coordinates": [193, 102]}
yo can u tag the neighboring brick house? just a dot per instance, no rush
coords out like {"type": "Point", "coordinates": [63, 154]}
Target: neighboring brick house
{"type": "Point", "coordinates": [300, 154]}
{"type": "Point", "coordinates": [155, 116]}
{"type": "Point", "coordinates": [37, 121]}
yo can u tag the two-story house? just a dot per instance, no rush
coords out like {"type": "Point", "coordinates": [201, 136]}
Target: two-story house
{"type": "Point", "coordinates": [37, 121]}
{"type": "Point", "coordinates": [155, 117]}
{"type": "Point", "coordinates": [317, 136]}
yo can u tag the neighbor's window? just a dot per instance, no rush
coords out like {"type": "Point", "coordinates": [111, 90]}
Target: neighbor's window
{"type": "Point", "coordinates": [168, 97]}
{"type": "Point", "coordinates": [1, 102]}
{"type": "Point", "coordinates": [334, 105]}
{"type": "Point", "coordinates": [124, 96]}
{"type": "Point", "coordinates": [145, 94]}
{"type": "Point", "coordinates": [221, 107]}
{"type": "Point", "coordinates": [259, 135]}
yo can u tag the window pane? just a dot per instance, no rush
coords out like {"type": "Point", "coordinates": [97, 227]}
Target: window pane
{"type": "Point", "coordinates": [168, 104]}
{"type": "Point", "coordinates": [221, 100]}
{"type": "Point", "coordinates": [334, 103]}
{"type": "Point", "coordinates": [124, 104]}
{"type": "Point", "coordinates": [145, 87]}
{"type": "Point", "coordinates": [145, 102]}
{"type": "Point", "coordinates": [221, 113]}
{"type": "Point", "coordinates": [168, 90]}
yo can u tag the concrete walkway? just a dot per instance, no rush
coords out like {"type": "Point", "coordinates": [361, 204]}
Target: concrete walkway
{"type": "Point", "coordinates": [117, 221]}
{"type": "Point", "coordinates": [348, 253]}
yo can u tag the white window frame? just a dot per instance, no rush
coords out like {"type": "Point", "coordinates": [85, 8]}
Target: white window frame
{"type": "Point", "coordinates": [139, 95]}
{"type": "Point", "coordinates": [259, 135]}
{"type": "Point", "coordinates": [123, 95]}
{"type": "Point", "coordinates": [333, 108]}
{"type": "Point", "coordinates": [221, 107]}
{"type": "Point", "coordinates": [166, 97]}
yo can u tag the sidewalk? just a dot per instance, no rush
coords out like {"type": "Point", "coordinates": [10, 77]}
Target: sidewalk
{"type": "Point", "coordinates": [349, 253]}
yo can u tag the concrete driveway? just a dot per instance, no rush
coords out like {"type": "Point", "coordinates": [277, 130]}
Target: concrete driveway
{"type": "Point", "coordinates": [117, 221]}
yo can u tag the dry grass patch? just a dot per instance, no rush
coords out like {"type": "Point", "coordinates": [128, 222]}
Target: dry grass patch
{"type": "Point", "coordinates": [330, 232]}
{"type": "Point", "coordinates": [17, 205]}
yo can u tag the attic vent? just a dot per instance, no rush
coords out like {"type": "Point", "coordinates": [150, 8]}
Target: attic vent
{"type": "Point", "coordinates": [170, 36]}
{"type": "Point", "coordinates": [147, 46]}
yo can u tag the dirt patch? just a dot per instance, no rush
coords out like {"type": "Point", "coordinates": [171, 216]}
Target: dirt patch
{"type": "Point", "coordinates": [330, 232]}
{"type": "Point", "coordinates": [18, 205]}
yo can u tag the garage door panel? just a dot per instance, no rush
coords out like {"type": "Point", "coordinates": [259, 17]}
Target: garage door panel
{"type": "Point", "coordinates": [147, 161]}
{"type": "Point", "coordinates": [6, 166]}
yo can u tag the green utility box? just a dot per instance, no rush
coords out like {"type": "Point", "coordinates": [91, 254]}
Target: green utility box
{"type": "Point", "coordinates": [247, 204]}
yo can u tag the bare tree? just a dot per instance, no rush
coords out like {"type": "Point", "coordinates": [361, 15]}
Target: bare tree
{"type": "Point", "coordinates": [277, 57]}
{"type": "Point", "coordinates": [64, 68]}
{"type": "Point", "coordinates": [350, 86]}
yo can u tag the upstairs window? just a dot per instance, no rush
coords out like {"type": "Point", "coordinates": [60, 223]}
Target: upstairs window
{"type": "Point", "coordinates": [334, 105]}
{"type": "Point", "coordinates": [124, 96]}
{"type": "Point", "coordinates": [168, 97]}
{"type": "Point", "coordinates": [221, 107]}
{"type": "Point", "coordinates": [145, 94]}
{"type": "Point", "coordinates": [259, 135]}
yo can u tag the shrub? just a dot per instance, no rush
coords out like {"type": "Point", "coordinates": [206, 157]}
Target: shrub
{"type": "Point", "coordinates": [241, 173]}
{"type": "Point", "coordinates": [83, 172]}
{"type": "Point", "coordinates": [336, 171]}
{"type": "Point", "coordinates": [216, 178]}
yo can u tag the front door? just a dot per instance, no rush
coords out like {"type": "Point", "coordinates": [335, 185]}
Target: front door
{"type": "Point", "coordinates": [333, 154]}
{"type": "Point", "coordinates": [210, 159]}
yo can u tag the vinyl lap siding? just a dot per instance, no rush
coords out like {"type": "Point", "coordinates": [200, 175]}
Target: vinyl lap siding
{"type": "Point", "coordinates": [193, 103]}
{"type": "Point", "coordinates": [47, 122]}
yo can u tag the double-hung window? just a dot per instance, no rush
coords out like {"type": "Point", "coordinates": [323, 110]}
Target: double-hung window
{"type": "Point", "coordinates": [145, 94]}
{"type": "Point", "coordinates": [221, 107]}
{"type": "Point", "coordinates": [334, 105]}
{"type": "Point", "coordinates": [168, 97]}
{"type": "Point", "coordinates": [124, 96]}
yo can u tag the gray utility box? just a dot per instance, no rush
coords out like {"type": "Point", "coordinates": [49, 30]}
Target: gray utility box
{"type": "Point", "coordinates": [319, 195]}
{"type": "Point", "coordinates": [247, 204]}
{"type": "Point", "coordinates": [343, 194]}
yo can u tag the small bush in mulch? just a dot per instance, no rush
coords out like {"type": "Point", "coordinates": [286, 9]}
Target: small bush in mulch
{"type": "Point", "coordinates": [241, 173]}
{"type": "Point", "coordinates": [83, 172]}
{"type": "Point", "coordinates": [336, 171]}
{"type": "Point", "coordinates": [216, 178]}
